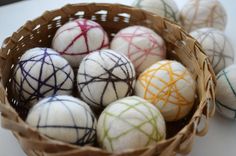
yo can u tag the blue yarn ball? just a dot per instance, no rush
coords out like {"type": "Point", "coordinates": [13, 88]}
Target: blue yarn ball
{"type": "Point", "coordinates": [41, 72]}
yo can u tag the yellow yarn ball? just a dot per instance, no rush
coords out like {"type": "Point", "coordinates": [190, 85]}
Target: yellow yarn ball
{"type": "Point", "coordinates": [169, 86]}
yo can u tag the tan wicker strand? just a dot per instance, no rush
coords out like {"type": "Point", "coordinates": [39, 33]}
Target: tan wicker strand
{"type": "Point", "coordinates": [113, 17]}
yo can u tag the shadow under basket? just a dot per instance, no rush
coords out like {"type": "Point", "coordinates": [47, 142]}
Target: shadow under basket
{"type": "Point", "coordinates": [113, 17]}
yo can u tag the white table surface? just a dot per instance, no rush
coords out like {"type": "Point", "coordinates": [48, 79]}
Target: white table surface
{"type": "Point", "coordinates": [221, 138]}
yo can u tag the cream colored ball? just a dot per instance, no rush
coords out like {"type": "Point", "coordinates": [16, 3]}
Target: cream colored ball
{"type": "Point", "coordinates": [226, 92]}
{"type": "Point", "coordinates": [130, 123]}
{"type": "Point", "coordinates": [39, 73]}
{"type": "Point", "coordinates": [163, 8]}
{"type": "Point", "coordinates": [203, 13]}
{"type": "Point", "coordinates": [64, 118]}
{"type": "Point", "coordinates": [77, 38]}
{"type": "Point", "coordinates": [105, 76]}
{"type": "Point", "coordinates": [217, 47]}
{"type": "Point", "coordinates": [141, 45]}
{"type": "Point", "coordinates": [169, 86]}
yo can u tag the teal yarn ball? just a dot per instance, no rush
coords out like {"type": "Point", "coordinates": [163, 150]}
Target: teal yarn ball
{"type": "Point", "coordinates": [226, 92]}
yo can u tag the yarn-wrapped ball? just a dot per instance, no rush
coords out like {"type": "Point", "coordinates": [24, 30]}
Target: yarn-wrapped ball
{"type": "Point", "coordinates": [226, 92]}
{"type": "Point", "coordinates": [163, 8]}
{"type": "Point", "coordinates": [41, 72]}
{"type": "Point", "coordinates": [105, 76]}
{"type": "Point", "coordinates": [64, 118]}
{"type": "Point", "coordinates": [130, 123]}
{"type": "Point", "coordinates": [141, 45]}
{"type": "Point", "coordinates": [216, 45]}
{"type": "Point", "coordinates": [203, 13]}
{"type": "Point", "coordinates": [169, 86]}
{"type": "Point", "coordinates": [77, 38]}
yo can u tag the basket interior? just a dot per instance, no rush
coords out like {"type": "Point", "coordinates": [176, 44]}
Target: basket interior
{"type": "Point", "coordinates": [40, 35]}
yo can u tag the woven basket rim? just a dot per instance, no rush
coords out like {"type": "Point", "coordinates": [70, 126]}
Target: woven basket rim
{"type": "Point", "coordinates": [9, 115]}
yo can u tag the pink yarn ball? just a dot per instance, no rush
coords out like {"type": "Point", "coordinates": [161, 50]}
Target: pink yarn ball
{"type": "Point", "coordinates": [141, 45]}
{"type": "Point", "coordinates": [77, 38]}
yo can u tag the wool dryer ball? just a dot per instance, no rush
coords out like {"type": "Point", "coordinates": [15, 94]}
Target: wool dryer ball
{"type": "Point", "coordinates": [130, 123]}
{"type": "Point", "coordinates": [226, 92]}
{"type": "Point", "coordinates": [141, 45]}
{"type": "Point", "coordinates": [169, 86]}
{"type": "Point", "coordinates": [41, 72]}
{"type": "Point", "coordinates": [217, 47]}
{"type": "Point", "coordinates": [203, 13]}
{"type": "Point", "coordinates": [105, 76]}
{"type": "Point", "coordinates": [64, 118]}
{"type": "Point", "coordinates": [77, 38]}
{"type": "Point", "coordinates": [163, 8]}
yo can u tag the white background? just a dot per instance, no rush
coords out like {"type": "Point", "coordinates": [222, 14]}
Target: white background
{"type": "Point", "coordinates": [221, 138]}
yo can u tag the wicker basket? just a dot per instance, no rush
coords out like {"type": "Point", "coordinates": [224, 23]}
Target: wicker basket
{"type": "Point", "coordinates": [112, 17]}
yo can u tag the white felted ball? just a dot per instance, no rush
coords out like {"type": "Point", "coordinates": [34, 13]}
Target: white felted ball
{"type": "Point", "coordinates": [64, 118]}
{"type": "Point", "coordinates": [130, 123]}
{"type": "Point", "coordinates": [141, 45]}
{"type": "Point", "coordinates": [77, 38]}
{"type": "Point", "coordinates": [216, 45]}
{"type": "Point", "coordinates": [41, 72]}
{"type": "Point", "coordinates": [226, 92]}
{"type": "Point", "coordinates": [163, 8]}
{"type": "Point", "coordinates": [169, 86]}
{"type": "Point", "coordinates": [203, 13]}
{"type": "Point", "coordinates": [105, 76]}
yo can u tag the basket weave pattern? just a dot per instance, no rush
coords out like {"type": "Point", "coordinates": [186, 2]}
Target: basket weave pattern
{"type": "Point", "coordinates": [112, 17]}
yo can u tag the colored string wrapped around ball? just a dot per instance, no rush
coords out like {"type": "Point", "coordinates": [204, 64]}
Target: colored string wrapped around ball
{"type": "Point", "coordinates": [163, 8]}
{"type": "Point", "coordinates": [217, 47]}
{"type": "Point", "coordinates": [226, 92]}
{"type": "Point", "coordinates": [169, 86]}
{"type": "Point", "coordinates": [64, 118]}
{"type": "Point", "coordinates": [129, 123]}
{"type": "Point", "coordinates": [105, 76]}
{"type": "Point", "coordinates": [77, 38]}
{"type": "Point", "coordinates": [203, 13]}
{"type": "Point", "coordinates": [141, 45]}
{"type": "Point", "coordinates": [41, 72]}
